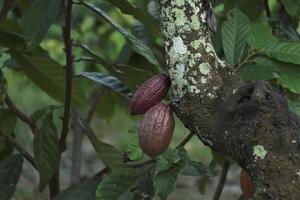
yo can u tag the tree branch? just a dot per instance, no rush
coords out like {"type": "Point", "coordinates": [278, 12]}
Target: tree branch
{"type": "Point", "coordinates": [69, 74]}
{"type": "Point", "coordinates": [21, 115]}
{"type": "Point", "coordinates": [7, 4]}
{"type": "Point", "coordinates": [21, 150]}
{"type": "Point", "coordinates": [249, 122]}
{"type": "Point", "coordinates": [222, 180]}
{"type": "Point", "coordinates": [54, 186]}
{"type": "Point", "coordinates": [267, 8]}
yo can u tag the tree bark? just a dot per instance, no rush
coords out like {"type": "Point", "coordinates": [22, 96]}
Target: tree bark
{"type": "Point", "coordinates": [249, 122]}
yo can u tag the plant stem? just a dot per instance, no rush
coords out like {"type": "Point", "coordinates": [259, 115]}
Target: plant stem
{"type": "Point", "coordinates": [267, 8]}
{"type": "Point", "coordinates": [185, 140]}
{"type": "Point", "coordinates": [21, 150]}
{"type": "Point", "coordinates": [7, 4]}
{"type": "Point", "coordinates": [21, 115]}
{"type": "Point", "coordinates": [222, 180]}
{"type": "Point", "coordinates": [54, 186]}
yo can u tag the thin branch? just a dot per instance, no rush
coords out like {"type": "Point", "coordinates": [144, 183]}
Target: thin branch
{"type": "Point", "coordinates": [21, 150]}
{"type": "Point", "coordinates": [54, 186]}
{"type": "Point", "coordinates": [185, 140]}
{"type": "Point", "coordinates": [21, 115]}
{"type": "Point", "coordinates": [222, 180]}
{"type": "Point", "coordinates": [267, 8]}
{"type": "Point", "coordinates": [69, 75]}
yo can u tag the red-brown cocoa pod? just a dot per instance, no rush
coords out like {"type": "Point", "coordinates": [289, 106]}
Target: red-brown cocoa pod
{"type": "Point", "coordinates": [150, 93]}
{"type": "Point", "coordinates": [246, 184]}
{"type": "Point", "coordinates": [156, 130]}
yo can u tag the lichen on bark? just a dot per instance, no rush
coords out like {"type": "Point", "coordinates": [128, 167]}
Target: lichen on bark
{"type": "Point", "coordinates": [249, 122]}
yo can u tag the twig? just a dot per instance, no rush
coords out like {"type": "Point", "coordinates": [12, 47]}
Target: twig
{"type": "Point", "coordinates": [249, 57]}
{"type": "Point", "coordinates": [69, 75]}
{"type": "Point", "coordinates": [22, 150]}
{"type": "Point", "coordinates": [78, 138]}
{"type": "Point", "coordinates": [21, 115]}
{"type": "Point", "coordinates": [54, 186]}
{"type": "Point", "coordinates": [185, 140]}
{"type": "Point", "coordinates": [267, 8]}
{"type": "Point", "coordinates": [222, 180]}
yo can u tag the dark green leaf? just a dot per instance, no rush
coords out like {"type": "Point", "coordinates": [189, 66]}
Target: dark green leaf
{"type": "Point", "coordinates": [193, 168]}
{"type": "Point", "coordinates": [284, 51]}
{"type": "Point", "coordinates": [7, 121]}
{"type": "Point", "coordinates": [46, 150]}
{"type": "Point", "coordinates": [119, 182]}
{"type": "Point", "coordinates": [6, 148]}
{"type": "Point", "coordinates": [108, 154]}
{"type": "Point", "coordinates": [167, 159]}
{"type": "Point", "coordinates": [139, 14]}
{"type": "Point", "coordinates": [49, 75]}
{"type": "Point", "coordinates": [3, 88]}
{"type": "Point", "coordinates": [82, 191]}
{"type": "Point", "coordinates": [164, 182]}
{"type": "Point", "coordinates": [10, 170]}
{"type": "Point", "coordinates": [288, 75]}
{"type": "Point", "coordinates": [133, 150]}
{"type": "Point", "coordinates": [110, 82]}
{"type": "Point", "coordinates": [38, 19]}
{"type": "Point", "coordinates": [11, 34]}
{"type": "Point", "coordinates": [234, 35]}
{"type": "Point", "coordinates": [294, 106]}
{"type": "Point", "coordinates": [292, 7]}
{"type": "Point", "coordinates": [260, 35]}
{"type": "Point", "coordinates": [136, 44]}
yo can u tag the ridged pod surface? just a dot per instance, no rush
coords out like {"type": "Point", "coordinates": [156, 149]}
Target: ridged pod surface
{"type": "Point", "coordinates": [156, 130]}
{"type": "Point", "coordinates": [246, 184]}
{"type": "Point", "coordinates": [150, 93]}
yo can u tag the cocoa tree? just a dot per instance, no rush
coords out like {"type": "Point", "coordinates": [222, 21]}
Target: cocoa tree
{"type": "Point", "coordinates": [229, 70]}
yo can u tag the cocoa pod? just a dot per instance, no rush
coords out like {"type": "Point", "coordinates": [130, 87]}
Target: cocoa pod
{"type": "Point", "coordinates": [156, 130]}
{"type": "Point", "coordinates": [150, 93]}
{"type": "Point", "coordinates": [246, 184]}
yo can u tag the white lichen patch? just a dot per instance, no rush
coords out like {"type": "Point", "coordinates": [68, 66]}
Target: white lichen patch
{"type": "Point", "coordinates": [298, 172]}
{"type": "Point", "coordinates": [205, 68]}
{"type": "Point", "coordinates": [259, 152]}
{"type": "Point", "coordinates": [179, 45]}
{"type": "Point", "coordinates": [203, 80]}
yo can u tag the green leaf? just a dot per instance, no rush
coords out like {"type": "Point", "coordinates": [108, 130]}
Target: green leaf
{"type": "Point", "coordinates": [139, 14]}
{"type": "Point", "coordinates": [2, 143]}
{"type": "Point", "coordinates": [10, 170]}
{"type": "Point", "coordinates": [38, 19]}
{"type": "Point", "coordinates": [292, 7]}
{"type": "Point", "coordinates": [3, 88]}
{"type": "Point", "coordinates": [119, 182]}
{"type": "Point", "coordinates": [193, 168]}
{"type": "Point", "coordinates": [7, 121]}
{"type": "Point", "coordinates": [46, 150]}
{"type": "Point", "coordinates": [130, 75]}
{"type": "Point", "coordinates": [164, 182]}
{"type": "Point", "coordinates": [6, 148]}
{"type": "Point", "coordinates": [234, 35]}
{"type": "Point", "coordinates": [133, 150]}
{"type": "Point", "coordinates": [109, 82]}
{"type": "Point", "coordinates": [136, 44]}
{"type": "Point", "coordinates": [260, 35]}
{"type": "Point", "coordinates": [49, 75]}
{"type": "Point", "coordinates": [11, 34]}
{"type": "Point", "coordinates": [283, 51]}
{"type": "Point", "coordinates": [108, 154]}
{"type": "Point", "coordinates": [82, 191]}
{"type": "Point", "coordinates": [294, 105]}
{"type": "Point", "coordinates": [167, 159]}
{"type": "Point", "coordinates": [287, 75]}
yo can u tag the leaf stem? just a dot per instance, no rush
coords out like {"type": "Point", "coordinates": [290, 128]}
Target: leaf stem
{"type": "Point", "coordinates": [222, 180]}
{"type": "Point", "coordinates": [21, 115]}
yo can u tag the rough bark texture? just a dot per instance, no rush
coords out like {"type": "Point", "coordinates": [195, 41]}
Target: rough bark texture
{"type": "Point", "coordinates": [249, 122]}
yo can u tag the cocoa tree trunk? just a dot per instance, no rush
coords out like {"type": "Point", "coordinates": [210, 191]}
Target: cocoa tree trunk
{"type": "Point", "coordinates": [249, 122]}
